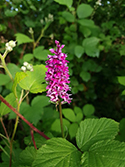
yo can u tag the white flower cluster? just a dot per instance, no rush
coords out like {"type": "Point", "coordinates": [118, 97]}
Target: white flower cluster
{"type": "Point", "coordinates": [26, 66]}
{"type": "Point", "coordinates": [48, 19]}
{"type": "Point", "coordinates": [98, 2]}
{"type": "Point", "coordinates": [10, 45]}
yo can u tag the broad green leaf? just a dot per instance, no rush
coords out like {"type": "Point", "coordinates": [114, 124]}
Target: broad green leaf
{"type": "Point", "coordinates": [34, 112]}
{"type": "Point", "coordinates": [121, 134]}
{"type": "Point", "coordinates": [88, 110]}
{"type": "Point", "coordinates": [74, 81]}
{"type": "Point", "coordinates": [22, 38]}
{"type": "Point", "coordinates": [3, 108]}
{"type": "Point", "coordinates": [85, 31]}
{"type": "Point", "coordinates": [33, 81]}
{"type": "Point", "coordinates": [74, 90]}
{"type": "Point", "coordinates": [85, 76]}
{"type": "Point", "coordinates": [121, 80]}
{"type": "Point", "coordinates": [27, 57]}
{"type": "Point", "coordinates": [40, 53]}
{"type": "Point", "coordinates": [19, 76]}
{"type": "Point", "coordinates": [56, 125]}
{"type": "Point", "coordinates": [39, 140]}
{"type": "Point", "coordinates": [79, 50]}
{"type": "Point", "coordinates": [94, 130]}
{"type": "Point", "coordinates": [65, 2]}
{"type": "Point", "coordinates": [13, 69]}
{"type": "Point", "coordinates": [4, 79]}
{"type": "Point", "coordinates": [92, 51]}
{"type": "Point", "coordinates": [57, 152]}
{"type": "Point", "coordinates": [73, 129]}
{"type": "Point", "coordinates": [123, 92]}
{"type": "Point", "coordinates": [105, 154]}
{"type": "Point", "coordinates": [79, 114]}
{"type": "Point", "coordinates": [86, 23]}
{"type": "Point", "coordinates": [122, 50]}
{"type": "Point", "coordinates": [27, 156]}
{"type": "Point", "coordinates": [68, 16]}
{"type": "Point", "coordinates": [69, 114]}
{"type": "Point", "coordinates": [84, 10]}
{"type": "Point", "coordinates": [10, 13]}
{"type": "Point", "coordinates": [77, 110]}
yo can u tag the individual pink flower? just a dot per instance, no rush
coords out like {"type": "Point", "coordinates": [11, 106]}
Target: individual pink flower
{"type": "Point", "coordinates": [57, 75]}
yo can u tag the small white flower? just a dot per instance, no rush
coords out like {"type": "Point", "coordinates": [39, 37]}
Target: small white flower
{"type": "Point", "coordinates": [25, 64]}
{"type": "Point", "coordinates": [29, 67]}
{"type": "Point", "coordinates": [23, 68]}
{"type": "Point", "coordinates": [12, 43]}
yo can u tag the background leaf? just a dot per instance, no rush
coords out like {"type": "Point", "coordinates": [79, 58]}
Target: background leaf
{"type": "Point", "coordinates": [69, 114]}
{"type": "Point", "coordinates": [3, 108]}
{"type": "Point", "coordinates": [22, 38]}
{"type": "Point", "coordinates": [65, 2]}
{"type": "Point", "coordinates": [84, 10]}
{"type": "Point", "coordinates": [4, 79]}
{"type": "Point", "coordinates": [79, 50]}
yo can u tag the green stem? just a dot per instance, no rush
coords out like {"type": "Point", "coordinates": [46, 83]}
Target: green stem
{"type": "Point", "coordinates": [4, 65]}
{"type": "Point", "coordinates": [41, 35]}
{"type": "Point", "coordinates": [13, 135]}
{"type": "Point", "coordinates": [60, 115]}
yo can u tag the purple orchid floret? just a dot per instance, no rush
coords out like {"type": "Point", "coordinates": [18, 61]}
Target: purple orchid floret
{"type": "Point", "coordinates": [57, 76]}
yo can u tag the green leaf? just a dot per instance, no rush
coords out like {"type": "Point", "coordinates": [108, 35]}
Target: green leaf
{"type": "Point", "coordinates": [4, 79]}
{"type": "Point", "coordinates": [105, 154]}
{"type": "Point", "coordinates": [84, 10]}
{"type": "Point", "coordinates": [3, 108]}
{"type": "Point", "coordinates": [65, 2]}
{"type": "Point", "coordinates": [22, 38]}
{"type": "Point", "coordinates": [88, 110]}
{"type": "Point", "coordinates": [27, 57]}
{"type": "Point", "coordinates": [56, 125]}
{"type": "Point", "coordinates": [73, 129]}
{"type": "Point", "coordinates": [92, 51]}
{"type": "Point", "coordinates": [57, 152]}
{"type": "Point", "coordinates": [68, 16]}
{"type": "Point", "coordinates": [13, 69]}
{"type": "Point", "coordinates": [10, 13]}
{"type": "Point", "coordinates": [79, 50]}
{"type": "Point", "coordinates": [122, 50]}
{"type": "Point", "coordinates": [79, 114]}
{"type": "Point", "coordinates": [34, 112]}
{"type": "Point", "coordinates": [121, 80]}
{"type": "Point", "coordinates": [74, 81]}
{"type": "Point", "coordinates": [121, 134]}
{"type": "Point", "coordinates": [85, 76]}
{"type": "Point", "coordinates": [27, 156]}
{"type": "Point", "coordinates": [40, 53]}
{"type": "Point", "coordinates": [33, 81]}
{"type": "Point", "coordinates": [86, 31]}
{"type": "Point", "coordinates": [69, 114]}
{"type": "Point", "coordinates": [87, 23]}
{"type": "Point", "coordinates": [94, 130]}
{"type": "Point", "coordinates": [19, 76]}
{"type": "Point", "coordinates": [39, 140]}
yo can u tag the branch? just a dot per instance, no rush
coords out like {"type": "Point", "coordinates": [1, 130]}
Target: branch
{"type": "Point", "coordinates": [22, 117]}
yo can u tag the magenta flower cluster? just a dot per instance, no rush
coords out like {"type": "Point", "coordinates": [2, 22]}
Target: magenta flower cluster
{"type": "Point", "coordinates": [57, 75]}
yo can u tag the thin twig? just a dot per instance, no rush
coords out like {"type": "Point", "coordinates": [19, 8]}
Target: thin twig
{"type": "Point", "coordinates": [22, 117]}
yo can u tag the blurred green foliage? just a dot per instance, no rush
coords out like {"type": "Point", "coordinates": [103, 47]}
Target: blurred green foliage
{"type": "Point", "coordinates": [94, 37]}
